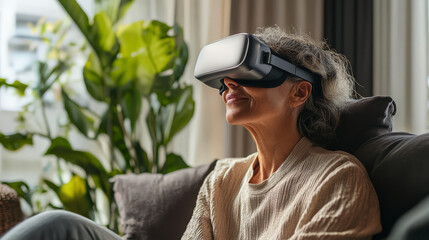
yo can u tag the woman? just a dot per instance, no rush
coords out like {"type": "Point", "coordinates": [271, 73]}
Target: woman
{"type": "Point", "coordinates": [291, 188]}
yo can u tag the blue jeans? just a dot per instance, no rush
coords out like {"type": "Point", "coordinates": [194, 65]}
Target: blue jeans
{"type": "Point", "coordinates": [59, 225]}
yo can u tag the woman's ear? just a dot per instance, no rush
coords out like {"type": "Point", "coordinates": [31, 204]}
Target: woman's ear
{"type": "Point", "coordinates": [300, 93]}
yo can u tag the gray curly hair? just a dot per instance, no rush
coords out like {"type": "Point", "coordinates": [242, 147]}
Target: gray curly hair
{"type": "Point", "coordinates": [320, 116]}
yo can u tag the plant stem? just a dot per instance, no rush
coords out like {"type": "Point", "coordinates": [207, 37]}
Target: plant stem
{"type": "Point", "coordinates": [156, 157]}
{"type": "Point", "coordinates": [155, 148]}
{"type": "Point", "coordinates": [90, 111]}
{"type": "Point", "coordinates": [41, 135]}
{"type": "Point", "coordinates": [45, 119]}
{"type": "Point", "coordinates": [127, 138]}
{"type": "Point", "coordinates": [49, 135]}
{"type": "Point", "coordinates": [110, 134]}
{"type": "Point", "coordinates": [113, 221]}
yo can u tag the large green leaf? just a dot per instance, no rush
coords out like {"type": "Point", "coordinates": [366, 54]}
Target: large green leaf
{"type": "Point", "coordinates": [61, 148]}
{"type": "Point", "coordinates": [152, 51]}
{"type": "Point", "coordinates": [73, 196]}
{"type": "Point", "coordinates": [47, 75]}
{"type": "Point", "coordinates": [131, 104]}
{"type": "Point", "coordinates": [83, 123]}
{"type": "Point", "coordinates": [130, 38]}
{"type": "Point", "coordinates": [176, 111]}
{"type": "Point", "coordinates": [172, 163]}
{"type": "Point", "coordinates": [134, 62]}
{"type": "Point", "coordinates": [81, 20]}
{"type": "Point", "coordinates": [143, 164]}
{"type": "Point", "coordinates": [170, 112]}
{"type": "Point", "coordinates": [124, 71]}
{"type": "Point", "coordinates": [154, 122]}
{"type": "Point", "coordinates": [19, 86]}
{"type": "Point", "coordinates": [99, 35]}
{"type": "Point", "coordinates": [181, 53]}
{"type": "Point", "coordinates": [103, 33]}
{"type": "Point", "coordinates": [124, 5]}
{"type": "Point", "coordinates": [165, 80]}
{"type": "Point", "coordinates": [157, 55]}
{"type": "Point", "coordinates": [104, 29]}
{"type": "Point", "coordinates": [117, 133]}
{"type": "Point", "coordinates": [183, 112]}
{"type": "Point", "coordinates": [54, 187]}
{"type": "Point", "coordinates": [15, 141]}
{"type": "Point", "coordinates": [115, 9]}
{"type": "Point", "coordinates": [159, 50]}
{"type": "Point", "coordinates": [93, 78]}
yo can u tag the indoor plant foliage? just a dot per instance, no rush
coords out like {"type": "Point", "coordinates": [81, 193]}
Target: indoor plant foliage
{"type": "Point", "coordinates": [133, 72]}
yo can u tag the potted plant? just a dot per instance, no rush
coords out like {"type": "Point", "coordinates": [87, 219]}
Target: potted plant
{"type": "Point", "coordinates": [132, 72]}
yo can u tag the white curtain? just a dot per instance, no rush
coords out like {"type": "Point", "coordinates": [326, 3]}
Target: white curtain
{"type": "Point", "coordinates": [203, 21]}
{"type": "Point", "coordinates": [401, 60]}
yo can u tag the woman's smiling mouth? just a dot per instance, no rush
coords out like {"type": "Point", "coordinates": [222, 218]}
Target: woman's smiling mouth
{"type": "Point", "coordinates": [233, 98]}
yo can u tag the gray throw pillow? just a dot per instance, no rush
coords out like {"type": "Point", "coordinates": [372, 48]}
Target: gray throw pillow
{"type": "Point", "coordinates": [361, 120]}
{"type": "Point", "coordinates": [156, 206]}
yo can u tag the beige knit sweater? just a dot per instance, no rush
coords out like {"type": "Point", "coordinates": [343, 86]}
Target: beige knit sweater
{"type": "Point", "coordinates": [314, 194]}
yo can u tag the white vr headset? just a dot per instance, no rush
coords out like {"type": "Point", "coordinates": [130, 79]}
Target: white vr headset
{"type": "Point", "coordinates": [248, 61]}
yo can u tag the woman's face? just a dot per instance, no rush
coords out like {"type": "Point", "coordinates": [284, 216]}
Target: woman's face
{"type": "Point", "coordinates": [247, 105]}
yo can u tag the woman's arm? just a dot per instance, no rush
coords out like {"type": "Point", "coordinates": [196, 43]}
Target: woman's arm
{"type": "Point", "coordinates": [200, 226]}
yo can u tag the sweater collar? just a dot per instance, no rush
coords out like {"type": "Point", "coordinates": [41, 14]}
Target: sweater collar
{"type": "Point", "coordinates": [298, 153]}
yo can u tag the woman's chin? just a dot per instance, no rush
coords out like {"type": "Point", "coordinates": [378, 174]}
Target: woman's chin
{"type": "Point", "coordinates": [236, 118]}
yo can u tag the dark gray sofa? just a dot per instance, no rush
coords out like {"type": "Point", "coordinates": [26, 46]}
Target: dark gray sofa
{"type": "Point", "coordinates": [153, 206]}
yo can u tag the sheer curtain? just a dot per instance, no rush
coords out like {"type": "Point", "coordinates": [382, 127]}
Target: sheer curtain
{"type": "Point", "coordinates": [203, 21]}
{"type": "Point", "coordinates": [401, 59]}
{"type": "Point", "coordinates": [300, 16]}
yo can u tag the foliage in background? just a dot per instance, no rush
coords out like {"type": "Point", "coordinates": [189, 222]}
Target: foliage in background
{"type": "Point", "coordinates": [133, 72]}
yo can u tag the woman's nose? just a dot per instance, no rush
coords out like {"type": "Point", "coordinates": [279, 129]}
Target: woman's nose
{"type": "Point", "coordinates": [230, 83]}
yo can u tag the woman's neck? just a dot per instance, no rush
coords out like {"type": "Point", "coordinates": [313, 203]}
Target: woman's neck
{"type": "Point", "coordinates": [274, 142]}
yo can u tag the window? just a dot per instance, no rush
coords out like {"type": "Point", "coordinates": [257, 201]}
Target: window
{"type": "Point", "coordinates": [23, 49]}
{"type": "Point", "coordinates": [20, 48]}
{"type": "Point", "coordinates": [21, 45]}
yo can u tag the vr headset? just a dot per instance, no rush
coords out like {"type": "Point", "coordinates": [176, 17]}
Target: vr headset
{"type": "Point", "coordinates": [248, 61]}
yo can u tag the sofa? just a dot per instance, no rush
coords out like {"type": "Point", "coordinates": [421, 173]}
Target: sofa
{"type": "Point", "coordinates": [155, 206]}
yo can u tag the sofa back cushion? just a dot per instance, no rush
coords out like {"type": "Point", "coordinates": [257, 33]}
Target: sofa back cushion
{"type": "Point", "coordinates": [398, 165]}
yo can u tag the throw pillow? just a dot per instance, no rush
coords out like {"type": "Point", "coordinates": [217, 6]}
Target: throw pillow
{"type": "Point", "coordinates": [156, 206]}
{"type": "Point", "coordinates": [363, 119]}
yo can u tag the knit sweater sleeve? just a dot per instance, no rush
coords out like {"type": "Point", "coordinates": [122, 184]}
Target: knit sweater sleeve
{"type": "Point", "coordinates": [343, 206]}
{"type": "Point", "coordinates": [200, 227]}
